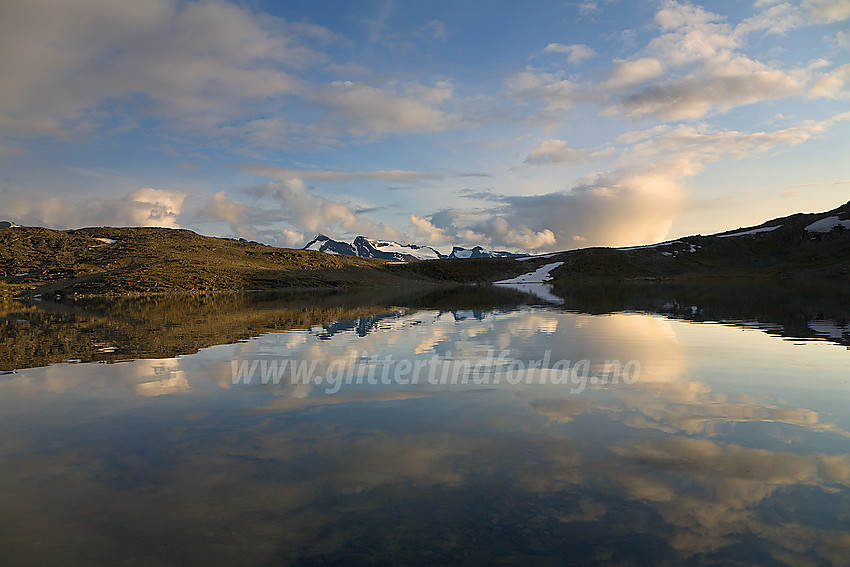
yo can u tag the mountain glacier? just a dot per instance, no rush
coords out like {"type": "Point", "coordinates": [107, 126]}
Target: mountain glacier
{"type": "Point", "coordinates": [389, 250]}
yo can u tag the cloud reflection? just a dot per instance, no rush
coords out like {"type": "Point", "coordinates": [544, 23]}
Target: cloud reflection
{"type": "Point", "coordinates": [167, 459]}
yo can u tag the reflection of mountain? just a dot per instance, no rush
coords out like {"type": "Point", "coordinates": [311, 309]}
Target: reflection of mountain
{"type": "Point", "coordinates": [41, 333]}
{"type": "Point", "coordinates": [683, 467]}
{"type": "Point", "coordinates": [796, 309]}
{"type": "Point", "coordinates": [361, 325]}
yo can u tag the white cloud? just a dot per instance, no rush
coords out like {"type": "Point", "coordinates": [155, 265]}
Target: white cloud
{"type": "Point", "coordinates": [696, 67]}
{"type": "Point", "coordinates": [533, 87]}
{"type": "Point", "coordinates": [776, 19]}
{"type": "Point", "coordinates": [292, 238]}
{"type": "Point", "coordinates": [554, 152]}
{"type": "Point", "coordinates": [362, 110]}
{"type": "Point", "coordinates": [143, 207]}
{"type": "Point", "coordinates": [630, 138]}
{"type": "Point", "coordinates": [276, 172]}
{"type": "Point", "coordinates": [311, 213]}
{"type": "Point", "coordinates": [637, 201]}
{"type": "Point", "coordinates": [438, 29]}
{"type": "Point", "coordinates": [740, 83]}
{"type": "Point", "coordinates": [834, 84]}
{"type": "Point", "coordinates": [627, 73]}
{"type": "Point", "coordinates": [432, 234]}
{"type": "Point", "coordinates": [575, 53]}
{"type": "Point", "coordinates": [64, 63]}
{"type": "Point", "coordinates": [220, 207]}
{"type": "Point", "coordinates": [675, 15]}
{"type": "Point", "coordinates": [612, 209]}
{"type": "Point", "coordinates": [828, 11]}
{"type": "Point", "coordinates": [499, 231]}
{"type": "Point", "coordinates": [587, 8]}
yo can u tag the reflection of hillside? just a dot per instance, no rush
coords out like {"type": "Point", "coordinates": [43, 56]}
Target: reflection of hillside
{"type": "Point", "coordinates": [796, 309]}
{"type": "Point", "coordinates": [98, 329]}
{"type": "Point", "coordinates": [673, 469]}
{"type": "Point", "coordinates": [156, 327]}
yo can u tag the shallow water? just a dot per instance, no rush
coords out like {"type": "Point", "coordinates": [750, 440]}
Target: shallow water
{"type": "Point", "coordinates": [638, 437]}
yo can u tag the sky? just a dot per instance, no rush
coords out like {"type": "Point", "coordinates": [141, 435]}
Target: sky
{"type": "Point", "coordinates": [539, 126]}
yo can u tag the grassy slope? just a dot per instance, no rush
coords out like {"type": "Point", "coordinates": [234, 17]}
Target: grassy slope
{"type": "Point", "coordinates": [788, 251]}
{"type": "Point", "coordinates": [151, 260]}
{"type": "Point", "coordinates": [158, 260]}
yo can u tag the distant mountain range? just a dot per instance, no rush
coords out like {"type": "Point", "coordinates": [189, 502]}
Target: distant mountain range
{"type": "Point", "coordinates": [38, 262]}
{"type": "Point", "coordinates": [388, 250]}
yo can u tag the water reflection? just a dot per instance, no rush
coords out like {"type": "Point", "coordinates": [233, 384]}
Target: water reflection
{"type": "Point", "coordinates": [732, 446]}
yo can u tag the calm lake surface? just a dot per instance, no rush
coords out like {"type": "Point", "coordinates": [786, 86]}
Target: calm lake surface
{"type": "Point", "coordinates": [632, 426]}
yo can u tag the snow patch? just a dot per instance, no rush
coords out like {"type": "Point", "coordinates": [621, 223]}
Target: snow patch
{"type": "Point", "coordinates": [646, 246]}
{"type": "Point", "coordinates": [749, 232]}
{"type": "Point", "coordinates": [420, 253]}
{"type": "Point", "coordinates": [827, 224]}
{"type": "Point", "coordinates": [524, 258]}
{"type": "Point", "coordinates": [829, 328]}
{"type": "Point", "coordinates": [540, 275]}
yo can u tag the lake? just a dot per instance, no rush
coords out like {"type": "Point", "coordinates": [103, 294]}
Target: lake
{"type": "Point", "coordinates": [637, 425]}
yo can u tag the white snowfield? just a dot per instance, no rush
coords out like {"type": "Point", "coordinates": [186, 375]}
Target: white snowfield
{"type": "Point", "coordinates": [748, 232]}
{"type": "Point", "coordinates": [829, 328]}
{"type": "Point", "coordinates": [103, 242]}
{"type": "Point", "coordinates": [827, 224]}
{"type": "Point", "coordinates": [418, 253]}
{"type": "Point", "coordinates": [645, 246]}
{"type": "Point", "coordinates": [524, 258]}
{"type": "Point", "coordinates": [463, 253]}
{"type": "Point", "coordinates": [540, 275]}
{"type": "Point", "coordinates": [541, 290]}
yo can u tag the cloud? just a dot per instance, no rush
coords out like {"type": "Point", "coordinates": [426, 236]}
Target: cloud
{"type": "Point", "coordinates": [540, 88]}
{"type": "Point", "coordinates": [776, 19]}
{"type": "Point", "coordinates": [554, 152]}
{"type": "Point", "coordinates": [611, 209]}
{"type": "Point", "coordinates": [432, 234]}
{"type": "Point", "coordinates": [575, 53]}
{"type": "Point", "coordinates": [675, 15]}
{"type": "Point", "coordinates": [833, 84]}
{"type": "Point", "coordinates": [499, 231]}
{"type": "Point", "coordinates": [696, 67]}
{"type": "Point", "coordinates": [635, 202]}
{"type": "Point", "coordinates": [437, 29]}
{"type": "Point", "coordinates": [627, 73]}
{"type": "Point", "coordinates": [312, 213]}
{"type": "Point", "coordinates": [70, 66]}
{"type": "Point", "coordinates": [360, 109]}
{"type": "Point", "coordinates": [281, 173]}
{"type": "Point", "coordinates": [220, 207]}
{"type": "Point", "coordinates": [143, 207]}
{"type": "Point", "coordinates": [587, 8]}
{"type": "Point", "coordinates": [291, 237]}
{"type": "Point", "coordinates": [828, 11]}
